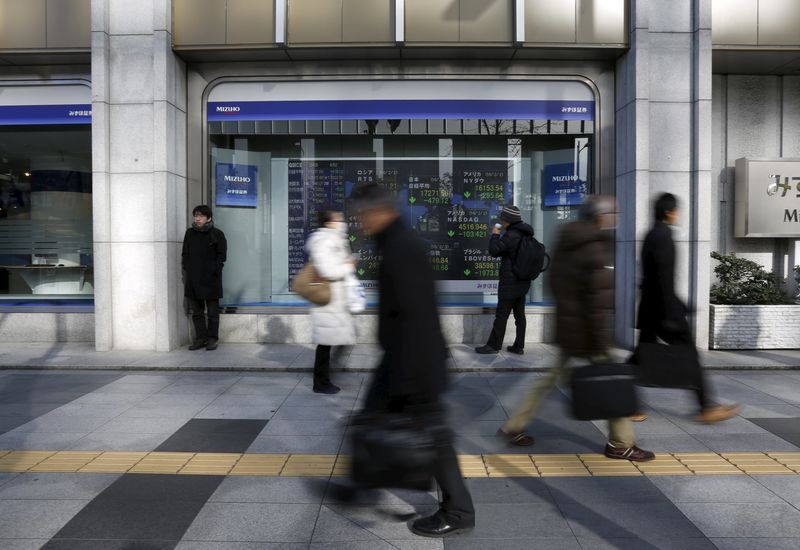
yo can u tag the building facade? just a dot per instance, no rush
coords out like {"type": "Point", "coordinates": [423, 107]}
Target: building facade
{"type": "Point", "coordinates": [117, 117]}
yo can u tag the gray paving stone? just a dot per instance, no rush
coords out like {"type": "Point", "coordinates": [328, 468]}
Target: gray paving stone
{"type": "Point", "coordinates": [5, 477]}
{"type": "Point", "coordinates": [648, 544]}
{"type": "Point", "coordinates": [757, 543]}
{"type": "Point", "coordinates": [743, 520]}
{"type": "Point", "coordinates": [424, 544]}
{"type": "Point", "coordinates": [142, 425]}
{"type": "Point", "coordinates": [746, 442]}
{"type": "Point", "coordinates": [82, 409]}
{"type": "Point", "coordinates": [539, 543]}
{"type": "Point", "coordinates": [197, 545]}
{"type": "Point", "coordinates": [295, 444]}
{"type": "Point", "coordinates": [22, 544]}
{"type": "Point", "coordinates": [255, 522]}
{"type": "Point", "coordinates": [770, 411]}
{"type": "Point", "coordinates": [361, 522]}
{"type": "Point", "coordinates": [38, 441]}
{"type": "Point", "coordinates": [179, 411]}
{"type": "Point", "coordinates": [53, 423]}
{"type": "Point", "coordinates": [276, 490]}
{"type": "Point", "coordinates": [247, 412]}
{"type": "Point", "coordinates": [671, 443]}
{"type": "Point", "coordinates": [36, 519]}
{"type": "Point", "coordinates": [115, 441]}
{"type": "Point", "coordinates": [661, 520]}
{"type": "Point", "coordinates": [713, 489]}
{"type": "Point", "coordinates": [382, 496]}
{"type": "Point", "coordinates": [161, 400]}
{"type": "Point", "coordinates": [61, 486]}
{"type": "Point", "coordinates": [331, 412]}
{"type": "Point", "coordinates": [518, 521]}
{"type": "Point", "coordinates": [599, 492]}
{"type": "Point", "coordinates": [304, 427]}
{"type": "Point", "coordinates": [736, 425]}
{"type": "Point", "coordinates": [786, 487]}
{"type": "Point", "coordinates": [509, 490]}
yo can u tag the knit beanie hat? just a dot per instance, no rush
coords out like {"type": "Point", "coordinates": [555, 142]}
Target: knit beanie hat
{"type": "Point", "coordinates": [511, 214]}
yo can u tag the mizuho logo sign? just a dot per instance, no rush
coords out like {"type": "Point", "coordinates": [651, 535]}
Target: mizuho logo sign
{"type": "Point", "coordinates": [228, 109]}
{"type": "Point", "coordinates": [237, 179]}
{"type": "Point", "coordinates": [783, 185]}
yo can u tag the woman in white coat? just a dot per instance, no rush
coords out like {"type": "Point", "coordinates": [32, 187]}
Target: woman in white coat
{"type": "Point", "coordinates": [333, 324]}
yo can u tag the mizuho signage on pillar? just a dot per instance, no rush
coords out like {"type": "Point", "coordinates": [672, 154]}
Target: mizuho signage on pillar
{"type": "Point", "coordinates": [768, 198]}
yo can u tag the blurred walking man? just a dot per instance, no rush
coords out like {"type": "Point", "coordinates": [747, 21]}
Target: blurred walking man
{"type": "Point", "coordinates": [412, 373]}
{"type": "Point", "coordinates": [582, 280]}
{"type": "Point", "coordinates": [661, 313]}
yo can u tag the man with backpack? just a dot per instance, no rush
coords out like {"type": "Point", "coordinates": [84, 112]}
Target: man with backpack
{"type": "Point", "coordinates": [522, 260]}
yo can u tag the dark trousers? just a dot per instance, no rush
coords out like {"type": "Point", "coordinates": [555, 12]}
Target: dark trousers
{"type": "Point", "coordinates": [456, 502]}
{"type": "Point", "coordinates": [684, 338]}
{"type": "Point", "coordinates": [200, 310]}
{"type": "Point", "coordinates": [504, 309]}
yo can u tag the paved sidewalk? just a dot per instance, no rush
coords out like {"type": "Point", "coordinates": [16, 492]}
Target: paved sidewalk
{"type": "Point", "coordinates": [268, 417]}
{"type": "Point", "coordinates": [300, 358]}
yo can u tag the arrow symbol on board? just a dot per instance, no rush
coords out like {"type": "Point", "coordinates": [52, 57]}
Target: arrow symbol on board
{"type": "Point", "coordinates": [467, 194]}
{"type": "Point", "coordinates": [451, 233]}
{"type": "Point", "coordinates": [360, 271]}
{"type": "Point", "coordinates": [352, 238]}
{"type": "Point", "coordinates": [467, 272]}
{"type": "Point", "coordinates": [412, 200]}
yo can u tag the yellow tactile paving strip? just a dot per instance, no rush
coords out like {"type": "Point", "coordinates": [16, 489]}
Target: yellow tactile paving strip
{"type": "Point", "coordinates": [305, 465]}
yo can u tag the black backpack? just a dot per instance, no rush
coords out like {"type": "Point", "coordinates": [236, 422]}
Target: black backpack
{"type": "Point", "coordinates": [530, 260]}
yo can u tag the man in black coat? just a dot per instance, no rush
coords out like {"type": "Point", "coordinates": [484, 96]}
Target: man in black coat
{"type": "Point", "coordinates": [412, 373]}
{"type": "Point", "coordinates": [661, 313]}
{"type": "Point", "coordinates": [203, 256]}
{"type": "Point", "coordinates": [511, 291]}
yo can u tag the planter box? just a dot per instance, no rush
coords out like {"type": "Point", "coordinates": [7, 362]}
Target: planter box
{"type": "Point", "coordinates": [755, 327]}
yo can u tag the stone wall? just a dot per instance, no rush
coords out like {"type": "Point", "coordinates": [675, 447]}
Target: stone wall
{"type": "Point", "coordinates": [288, 328]}
{"type": "Point", "coordinates": [46, 327]}
{"type": "Point", "coordinates": [755, 327]}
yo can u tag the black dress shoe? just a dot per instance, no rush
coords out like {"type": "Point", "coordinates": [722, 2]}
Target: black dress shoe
{"type": "Point", "coordinates": [330, 389]}
{"type": "Point", "coordinates": [212, 344]}
{"type": "Point", "coordinates": [197, 344]}
{"type": "Point", "coordinates": [485, 350]}
{"type": "Point", "coordinates": [515, 349]}
{"type": "Point", "coordinates": [438, 526]}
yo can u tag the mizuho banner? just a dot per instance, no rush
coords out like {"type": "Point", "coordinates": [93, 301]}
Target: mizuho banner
{"type": "Point", "coordinates": [236, 185]}
{"type": "Point", "coordinates": [768, 198]}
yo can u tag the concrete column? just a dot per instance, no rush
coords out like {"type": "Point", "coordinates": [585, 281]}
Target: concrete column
{"type": "Point", "coordinates": [664, 145]}
{"type": "Point", "coordinates": [139, 170]}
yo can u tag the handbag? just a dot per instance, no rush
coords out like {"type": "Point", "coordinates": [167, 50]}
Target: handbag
{"type": "Point", "coordinates": [667, 366]}
{"type": "Point", "coordinates": [394, 451]}
{"type": "Point", "coordinates": [603, 391]}
{"type": "Point", "coordinates": [310, 285]}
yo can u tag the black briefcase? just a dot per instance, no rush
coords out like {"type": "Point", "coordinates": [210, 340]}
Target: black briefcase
{"type": "Point", "coordinates": [667, 366]}
{"type": "Point", "coordinates": [394, 451]}
{"type": "Point", "coordinates": [603, 391]}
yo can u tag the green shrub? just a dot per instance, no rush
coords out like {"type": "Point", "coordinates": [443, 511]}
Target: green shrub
{"type": "Point", "coordinates": [744, 282]}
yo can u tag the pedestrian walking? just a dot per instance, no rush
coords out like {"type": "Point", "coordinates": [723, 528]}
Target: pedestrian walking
{"type": "Point", "coordinates": [202, 259]}
{"type": "Point", "coordinates": [582, 281]}
{"type": "Point", "coordinates": [662, 315]}
{"type": "Point", "coordinates": [332, 323]}
{"type": "Point", "coordinates": [504, 243]}
{"type": "Point", "coordinates": [411, 375]}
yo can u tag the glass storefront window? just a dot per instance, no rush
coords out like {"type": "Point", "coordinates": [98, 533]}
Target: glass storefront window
{"type": "Point", "coordinates": [45, 212]}
{"type": "Point", "coordinates": [269, 177]}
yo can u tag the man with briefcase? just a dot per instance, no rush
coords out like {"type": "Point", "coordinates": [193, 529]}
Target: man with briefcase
{"type": "Point", "coordinates": [583, 281]}
{"type": "Point", "coordinates": [662, 315]}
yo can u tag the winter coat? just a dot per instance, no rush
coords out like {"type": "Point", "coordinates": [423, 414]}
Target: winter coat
{"type": "Point", "coordinates": [505, 247]}
{"type": "Point", "coordinates": [202, 258]}
{"type": "Point", "coordinates": [582, 280]}
{"type": "Point", "coordinates": [408, 319]}
{"type": "Point", "coordinates": [332, 324]}
{"type": "Point", "coordinates": [660, 307]}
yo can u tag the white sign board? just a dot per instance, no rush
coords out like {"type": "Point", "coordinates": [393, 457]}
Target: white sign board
{"type": "Point", "coordinates": [768, 198]}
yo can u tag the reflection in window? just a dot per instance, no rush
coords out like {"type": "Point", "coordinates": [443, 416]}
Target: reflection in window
{"type": "Point", "coordinates": [451, 178]}
{"type": "Point", "coordinates": [45, 212]}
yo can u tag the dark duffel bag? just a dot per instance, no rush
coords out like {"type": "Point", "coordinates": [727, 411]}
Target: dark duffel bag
{"type": "Point", "coordinates": [603, 391]}
{"type": "Point", "coordinates": [667, 366]}
{"type": "Point", "coordinates": [394, 451]}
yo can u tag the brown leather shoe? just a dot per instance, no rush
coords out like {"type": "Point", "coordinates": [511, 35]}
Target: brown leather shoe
{"type": "Point", "coordinates": [718, 413]}
{"type": "Point", "coordinates": [640, 416]}
{"type": "Point", "coordinates": [521, 439]}
{"type": "Point", "coordinates": [630, 453]}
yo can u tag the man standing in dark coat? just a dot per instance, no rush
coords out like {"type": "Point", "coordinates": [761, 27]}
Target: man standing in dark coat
{"type": "Point", "coordinates": [204, 254]}
{"type": "Point", "coordinates": [511, 291]}
{"type": "Point", "coordinates": [582, 280]}
{"type": "Point", "coordinates": [412, 373]}
{"type": "Point", "coordinates": [661, 313]}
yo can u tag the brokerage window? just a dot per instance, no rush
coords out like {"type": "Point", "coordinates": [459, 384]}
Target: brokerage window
{"type": "Point", "coordinates": [269, 178]}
